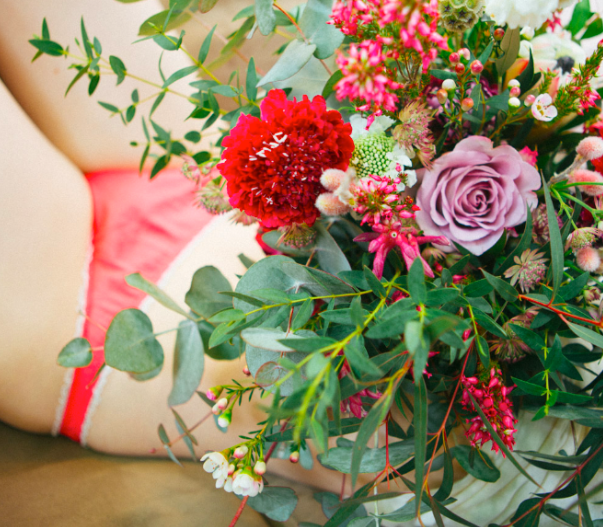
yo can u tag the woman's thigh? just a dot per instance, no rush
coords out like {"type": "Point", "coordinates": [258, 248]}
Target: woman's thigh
{"type": "Point", "coordinates": [45, 218]}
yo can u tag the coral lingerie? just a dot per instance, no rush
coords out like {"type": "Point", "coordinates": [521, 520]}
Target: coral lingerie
{"type": "Point", "coordinates": [139, 226]}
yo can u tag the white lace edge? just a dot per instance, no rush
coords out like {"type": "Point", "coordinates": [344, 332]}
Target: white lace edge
{"type": "Point", "coordinates": [82, 304]}
{"type": "Point", "coordinates": [144, 306]}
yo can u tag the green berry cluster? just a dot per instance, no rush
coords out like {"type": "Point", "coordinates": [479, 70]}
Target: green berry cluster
{"type": "Point", "coordinates": [370, 154]}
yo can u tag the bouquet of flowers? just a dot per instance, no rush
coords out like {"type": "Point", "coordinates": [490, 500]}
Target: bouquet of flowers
{"type": "Point", "coordinates": [432, 204]}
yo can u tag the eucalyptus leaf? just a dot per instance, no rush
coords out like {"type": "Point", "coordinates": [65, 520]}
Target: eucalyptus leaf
{"type": "Point", "coordinates": [265, 16]}
{"type": "Point", "coordinates": [278, 503]}
{"type": "Point", "coordinates": [293, 59]}
{"type": "Point", "coordinates": [204, 296]}
{"type": "Point", "coordinates": [130, 344]}
{"type": "Point", "coordinates": [188, 363]}
{"type": "Point", "coordinates": [77, 353]}
{"type": "Point", "coordinates": [329, 255]}
{"type": "Point", "coordinates": [313, 23]}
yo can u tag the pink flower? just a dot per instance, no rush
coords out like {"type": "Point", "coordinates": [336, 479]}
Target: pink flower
{"type": "Point", "coordinates": [472, 194]}
{"type": "Point", "coordinates": [543, 109]}
{"type": "Point", "coordinates": [492, 397]}
{"type": "Point", "coordinates": [391, 235]}
{"type": "Point", "coordinates": [365, 77]}
{"type": "Point", "coordinates": [528, 155]}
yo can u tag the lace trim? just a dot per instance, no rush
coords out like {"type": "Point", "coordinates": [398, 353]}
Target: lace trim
{"type": "Point", "coordinates": [82, 301]}
{"type": "Point", "coordinates": [144, 306]}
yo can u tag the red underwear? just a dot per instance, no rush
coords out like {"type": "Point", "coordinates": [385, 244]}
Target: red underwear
{"type": "Point", "coordinates": [139, 226]}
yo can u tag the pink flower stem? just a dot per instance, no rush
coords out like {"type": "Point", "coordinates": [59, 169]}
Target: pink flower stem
{"type": "Point", "coordinates": [198, 423]}
{"type": "Point", "coordinates": [239, 511]}
{"type": "Point", "coordinates": [442, 428]}
{"type": "Point", "coordinates": [266, 458]}
{"type": "Point", "coordinates": [562, 314]}
{"type": "Point", "coordinates": [541, 503]}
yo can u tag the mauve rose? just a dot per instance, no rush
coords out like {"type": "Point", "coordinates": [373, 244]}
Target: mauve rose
{"type": "Point", "coordinates": [472, 194]}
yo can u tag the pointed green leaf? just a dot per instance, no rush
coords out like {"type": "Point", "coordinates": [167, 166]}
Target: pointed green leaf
{"type": "Point", "coordinates": [416, 282]}
{"type": "Point", "coordinates": [557, 252]}
{"type": "Point", "coordinates": [188, 363]}
{"type": "Point", "coordinates": [204, 50]}
{"type": "Point", "coordinates": [118, 68]}
{"type": "Point", "coordinates": [420, 424]}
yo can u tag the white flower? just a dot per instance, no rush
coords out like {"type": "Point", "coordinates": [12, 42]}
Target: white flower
{"type": "Point", "coordinates": [380, 124]}
{"type": "Point", "coordinates": [543, 109]}
{"type": "Point", "coordinates": [215, 462]}
{"type": "Point", "coordinates": [554, 51]}
{"type": "Point", "coordinates": [399, 159]}
{"type": "Point", "coordinates": [224, 483]}
{"type": "Point", "coordinates": [521, 13]}
{"type": "Point", "coordinates": [245, 484]}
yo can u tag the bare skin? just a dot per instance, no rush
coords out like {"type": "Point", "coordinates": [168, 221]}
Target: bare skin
{"type": "Point", "coordinates": [47, 144]}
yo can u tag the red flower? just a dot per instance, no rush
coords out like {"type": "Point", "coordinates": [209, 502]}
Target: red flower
{"type": "Point", "coordinates": [273, 165]}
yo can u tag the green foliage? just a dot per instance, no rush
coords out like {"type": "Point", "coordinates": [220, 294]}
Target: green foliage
{"type": "Point", "coordinates": [313, 23]}
{"type": "Point", "coordinates": [294, 58]}
{"type": "Point", "coordinates": [76, 354]}
{"type": "Point", "coordinates": [130, 344]}
{"type": "Point", "coordinates": [188, 363]}
{"type": "Point", "coordinates": [204, 296]}
{"type": "Point", "coordinates": [321, 332]}
{"type": "Point", "coordinates": [277, 503]}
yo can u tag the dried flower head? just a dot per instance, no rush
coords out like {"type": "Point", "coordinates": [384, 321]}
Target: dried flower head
{"type": "Point", "coordinates": [583, 237]}
{"type": "Point", "coordinates": [297, 235]}
{"type": "Point", "coordinates": [512, 348]}
{"type": "Point", "coordinates": [460, 15]}
{"type": "Point", "coordinates": [211, 197]}
{"type": "Point", "coordinates": [540, 229]}
{"type": "Point", "coordinates": [530, 268]}
{"type": "Point", "coordinates": [413, 131]}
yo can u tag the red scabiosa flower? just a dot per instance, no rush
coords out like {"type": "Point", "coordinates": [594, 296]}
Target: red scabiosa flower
{"type": "Point", "coordinates": [273, 165]}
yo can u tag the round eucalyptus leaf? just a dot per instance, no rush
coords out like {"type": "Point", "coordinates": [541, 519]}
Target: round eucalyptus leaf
{"type": "Point", "coordinates": [130, 344]}
{"type": "Point", "coordinates": [76, 354]}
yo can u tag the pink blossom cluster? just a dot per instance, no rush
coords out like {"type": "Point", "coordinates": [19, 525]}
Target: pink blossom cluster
{"type": "Point", "coordinates": [411, 29]}
{"type": "Point", "coordinates": [366, 78]}
{"type": "Point", "coordinates": [492, 397]}
{"type": "Point", "coordinates": [377, 198]}
{"type": "Point", "coordinates": [392, 219]}
{"type": "Point", "coordinates": [353, 404]}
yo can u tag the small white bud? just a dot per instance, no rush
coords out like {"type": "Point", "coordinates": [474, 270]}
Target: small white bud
{"type": "Point", "coordinates": [260, 468]}
{"type": "Point", "coordinates": [513, 83]}
{"type": "Point", "coordinates": [527, 32]}
{"type": "Point", "coordinates": [449, 85]}
{"type": "Point", "coordinates": [514, 102]}
{"type": "Point", "coordinates": [240, 452]}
